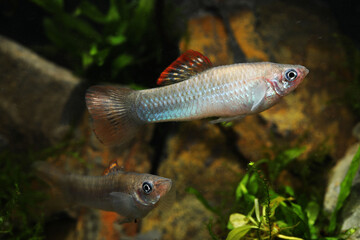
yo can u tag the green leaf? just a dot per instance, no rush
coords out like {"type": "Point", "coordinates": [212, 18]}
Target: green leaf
{"type": "Point", "coordinates": [93, 50]}
{"type": "Point", "coordinates": [120, 62]}
{"type": "Point", "coordinates": [113, 13]}
{"type": "Point", "coordinates": [116, 40]}
{"type": "Point", "coordinates": [87, 60]}
{"type": "Point", "coordinates": [140, 20]}
{"type": "Point", "coordinates": [312, 211]}
{"type": "Point", "coordinates": [304, 220]}
{"type": "Point", "coordinates": [345, 189]}
{"type": "Point", "coordinates": [289, 191]}
{"type": "Point", "coordinates": [63, 38]}
{"type": "Point", "coordinates": [238, 233]}
{"type": "Point", "coordinates": [136, 86]}
{"type": "Point", "coordinates": [101, 56]}
{"type": "Point", "coordinates": [283, 159]}
{"type": "Point", "coordinates": [50, 6]}
{"type": "Point", "coordinates": [211, 232]}
{"type": "Point", "coordinates": [274, 203]}
{"type": "Point", "coordinates": [253, 184]}
{"type": "Point", "coordinates": [293, 215]}
{"type": "Point", "coordinates": [241, 188]}
{"type": "Point", "coordinates": [237, 220]}
{"type": "Point", "coordinates": [91, 11]}
{"type": "Point", "coordinates": [80, 26]}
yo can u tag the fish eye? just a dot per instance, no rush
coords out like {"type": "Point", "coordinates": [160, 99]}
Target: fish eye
{"type": "Point", "coordinates": [147, 187]}
{"type": "Point", "coordinates": [291, 75]}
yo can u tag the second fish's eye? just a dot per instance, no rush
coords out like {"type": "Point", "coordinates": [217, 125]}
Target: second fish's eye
{"type": "Point", "coordinates": [147, 187]}
{"type": "Point", "coordinates": [291, 75]}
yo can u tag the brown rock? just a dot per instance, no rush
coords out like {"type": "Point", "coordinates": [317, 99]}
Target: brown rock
{"type": "Point", "coordinates": [196, 157]}
{"type": "Point", "coordinates": [33, 96]}
{"type": "Point", "coordinates": [186, 219]}
{"type": "Point", "coordinates": [207, 35]}
{"type": "Point", "coordinates": [308, 117]}
{"type": "Point", "coordinates": [250, 42]}
{"type": "Point", "coordinates": [310, 114]}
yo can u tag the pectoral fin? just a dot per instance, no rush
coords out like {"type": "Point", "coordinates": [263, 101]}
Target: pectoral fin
{"type": "Point", "coordinates": [123, 204]}
{"type": "Point", "coordinates": [258, 95]}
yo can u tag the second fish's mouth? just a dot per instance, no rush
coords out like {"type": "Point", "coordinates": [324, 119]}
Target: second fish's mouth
{"type": "Point", "coordinates": [163, 185]}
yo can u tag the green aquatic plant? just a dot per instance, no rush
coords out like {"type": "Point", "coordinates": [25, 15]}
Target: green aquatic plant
{"type": "Point", "coordinates": [19, 199]}
{"type": "Point", "coordinates": [276, 216]}
{"type": "Point", "coordinates": [110, 37]}
{"type": "Point", "coordinates": [260, 212]}
{"type": "Point", "coordinates": [17, 218]}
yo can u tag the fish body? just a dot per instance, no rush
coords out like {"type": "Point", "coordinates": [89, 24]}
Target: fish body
{"type": "Point", "coordinates": [132, 195]}
{"type": "Point", "coordinates": [228, 92]}
{"type": "Point", "coordinates": [225, 91]}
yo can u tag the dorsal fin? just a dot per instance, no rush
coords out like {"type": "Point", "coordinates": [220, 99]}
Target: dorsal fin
{"type": "Point", "coordinates": [187, 65]}
{"type": "Point", "coordinates": [113, 168]}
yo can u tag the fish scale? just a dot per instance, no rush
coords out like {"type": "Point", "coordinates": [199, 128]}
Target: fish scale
{"type": "Point", "coordinates": [202, 96]}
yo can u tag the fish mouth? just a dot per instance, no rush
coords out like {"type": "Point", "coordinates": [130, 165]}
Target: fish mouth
{"type": "Point", "coordinates": [304, 71]}
{"type": "Point", "coordinates": [163, 186]}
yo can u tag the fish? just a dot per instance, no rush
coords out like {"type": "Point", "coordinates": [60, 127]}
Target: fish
{"type": "Point", "coordinates": [131, 195]}
{"type": "Point", "coordinates": [191, 88]}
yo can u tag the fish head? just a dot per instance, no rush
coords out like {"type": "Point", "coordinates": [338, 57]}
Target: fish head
{"type": "Point", "coordinates": [284, 78]}
{"type": "Point", "coordinates": [149, 189]}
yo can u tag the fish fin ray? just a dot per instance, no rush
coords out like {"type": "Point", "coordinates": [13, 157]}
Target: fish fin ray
{"type": "Point", "coordinates": [187, 65]}
{"type": "Point", "coordinates": [258, 94]}
{"type": "Point", "coordinates": [113, 168]}
{"type": "Point", "coordinates": [111, 111]}
{"type": "Point", "coordinates": [227, 119]}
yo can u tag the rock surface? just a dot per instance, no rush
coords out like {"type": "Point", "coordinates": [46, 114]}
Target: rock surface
{"type": "Point", "coordinates": [186, 219]}
{"type": "Point", "coordinates": [309, 116]}
{"type": "Point", "coordinates": [33, 97]}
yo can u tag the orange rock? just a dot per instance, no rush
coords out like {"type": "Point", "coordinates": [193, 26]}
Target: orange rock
{"type": "Point", "coordinates": [107, 228]}
{"type": "Point", "coordinates": [243, 27]}
{"type": "Point", "coordinates": [207, 35]}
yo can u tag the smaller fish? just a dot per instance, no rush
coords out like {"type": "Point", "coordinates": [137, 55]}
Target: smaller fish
{"type": "Point", "coordinates": [131, 195]}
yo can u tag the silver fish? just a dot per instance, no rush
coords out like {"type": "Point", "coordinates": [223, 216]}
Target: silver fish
{"type": "Point", "coordinates": [131, 195]}
{"type": "Point", "coordinates": [199, 91]}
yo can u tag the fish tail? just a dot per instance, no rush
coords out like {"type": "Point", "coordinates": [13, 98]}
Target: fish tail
{"type": "Point", "coordinates": [50, 174]}
{"type": "Point", "coordinates": [113, 113]}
